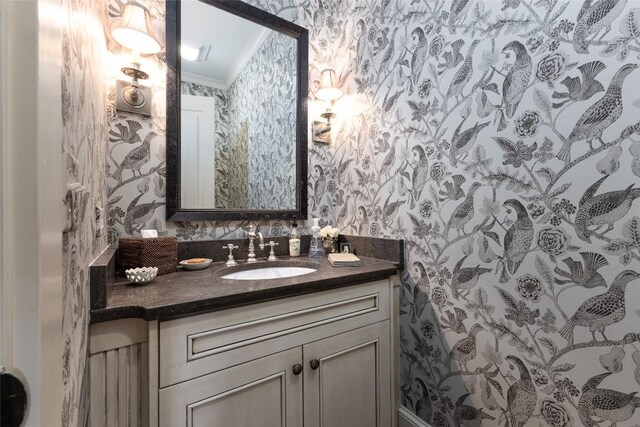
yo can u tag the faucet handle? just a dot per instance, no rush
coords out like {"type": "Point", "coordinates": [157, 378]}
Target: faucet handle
{"type": "Point", "coordinates": [230, 261]}
{"type": "Point", "coordinates": [272, 254]}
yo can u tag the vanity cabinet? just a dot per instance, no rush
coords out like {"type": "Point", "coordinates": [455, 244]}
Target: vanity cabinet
{"type": "Point", "coordinates": [320, 359]}
{"type": "Point", "coordinates": [338, 381]}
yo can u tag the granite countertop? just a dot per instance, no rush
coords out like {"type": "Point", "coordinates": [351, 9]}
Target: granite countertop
{"type": "Point", "coordinates": [185, 293]}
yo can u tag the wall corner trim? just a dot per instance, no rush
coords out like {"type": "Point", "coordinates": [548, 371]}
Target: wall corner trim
{"type": "Point", "coordinates": [406, 418]}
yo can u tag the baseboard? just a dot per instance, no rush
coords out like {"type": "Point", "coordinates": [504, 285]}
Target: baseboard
{"type": "Point", "coordinates": [406, 418]}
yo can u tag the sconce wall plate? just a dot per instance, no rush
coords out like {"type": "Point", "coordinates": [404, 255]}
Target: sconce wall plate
{"type": "Point", "coordinates": [321, 132]}
{"type": "Point", "coordinates": [133, 99]}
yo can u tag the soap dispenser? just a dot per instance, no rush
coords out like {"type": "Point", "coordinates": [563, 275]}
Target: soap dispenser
{"type": "Point", "coordinates": [294, 241]}
{"type": "Point", "coordinates": [315, 247]}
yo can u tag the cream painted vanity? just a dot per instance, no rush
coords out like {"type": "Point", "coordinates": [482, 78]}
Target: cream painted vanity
{"type": "Point", "coordinates": [322, 358]}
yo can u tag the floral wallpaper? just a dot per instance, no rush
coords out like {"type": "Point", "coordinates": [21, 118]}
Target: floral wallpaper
{"type": "Point", "coordinates": [84, 132]}
{"type": "Point", "coordinates": [263, 97]}
{"type": "Point", "coordinates": [237, 168]}
{"type": "Point", "coordinates": [501, 140]}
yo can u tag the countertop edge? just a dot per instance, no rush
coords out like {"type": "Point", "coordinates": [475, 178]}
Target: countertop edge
{"type": "Point", "coordinates": [207, 305]}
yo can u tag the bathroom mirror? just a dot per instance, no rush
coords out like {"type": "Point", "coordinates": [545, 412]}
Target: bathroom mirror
{"type": "Point", "coordinates": [236, 113]}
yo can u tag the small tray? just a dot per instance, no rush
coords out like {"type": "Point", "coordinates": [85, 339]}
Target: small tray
{"type": "Point", "coordinates": [195, 265]}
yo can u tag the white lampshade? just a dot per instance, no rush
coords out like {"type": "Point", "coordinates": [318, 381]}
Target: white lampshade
{"type": "Point", "coordinates": [329, 90]}
{"type": "Point", "coordinates": [134, 30]}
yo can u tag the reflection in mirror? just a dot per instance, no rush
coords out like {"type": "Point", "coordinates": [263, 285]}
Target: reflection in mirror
{"type": "Point", "coordinates": [238, 112]}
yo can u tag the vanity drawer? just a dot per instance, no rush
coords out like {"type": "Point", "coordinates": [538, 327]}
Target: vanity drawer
{"type": "Point", "coordinates": [198, 345]}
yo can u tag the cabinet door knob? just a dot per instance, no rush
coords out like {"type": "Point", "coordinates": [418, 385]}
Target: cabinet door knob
{"type": "Point", "coordinates": [297, 369]}
{"type": "Point", "coordinates": [315, 364]}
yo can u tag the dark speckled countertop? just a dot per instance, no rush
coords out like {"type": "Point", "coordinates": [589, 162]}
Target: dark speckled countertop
{"type": "Point", "coordinates": [185, 293]}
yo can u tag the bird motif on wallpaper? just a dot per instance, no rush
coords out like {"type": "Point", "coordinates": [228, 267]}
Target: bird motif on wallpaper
{"type": "Point", "coordinates": [602, 114]}
{"type": "Point", "coordinates": [390, 210]}
{"type": "Point", "coordinates": [593, 18]}
{"type": "Point", "coordinates": [585, 275]}
{"type": "Point", "coordinates": [521, 396]}
{"type": "Point", "coordinates": [389, 160]}
{"type": "Point", "coordinates": [138, 214]}
{"type": "Point", "coordinates": [605, 404]}
{"type": "Point", "coordinates": [458, 10]}
{"type": "Point", "coordinates": [468, 416]}
{"type": "Point", "coordinates": [319, 186]}
{"type": "Point", "coordinates": [461, 77]}
{"type": "Point", "coordinates": [517, 78]}
{"type": "Point", "coordinates": [344, 210]}
{"type": "Point", "coordinates": [453, 58]}
{"type": "Point", "coordinates": [464, 350]}
{"type": "Point", "coordinates": [453, 189]}
{"type": "Point", "coordinates": [463, 213]}
{"type": "Point", "coordinates": [424, 409]}
{"type": "Point", "coordinates": [518, 238]}
{"type": "Point", "coordinates": [603, 310]}
{"type": "Point", "coordinates": [465, 278]}
{"type": "Point", "coordinates": [381, 40]}
{"type": "Point", "coordinates": [362, 135]}
{"type": "Point", "coordinates": [419, 58]}
{"type": "Point", "coordinates": [420, 292]}
{"type": "Point", "coordinates": [136, 158]}
{"type": "Point", "coordinates": [388, 54]}
{"type": "Point", "coordinates": [603, 209]}
{"type": "Point", "coordinates": [420, 174]}
{"type": "Point", "coordinates": [581, 90]}
{"type": "Point", "coordinates": [318, 19]}
{"type": "Point", "coordinates": [461, 142]}
{"type": "Point", "coordinates": [363, 219]}
{"type": "Point", "coordinates": [361, 44]}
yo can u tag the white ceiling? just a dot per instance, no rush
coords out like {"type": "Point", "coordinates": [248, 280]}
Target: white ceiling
{"type": "Point", "coordinates": [233, 41]}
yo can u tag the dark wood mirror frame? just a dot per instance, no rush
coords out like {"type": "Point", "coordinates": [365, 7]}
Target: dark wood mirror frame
{"type": "Point", "coordinates": [174, 211]}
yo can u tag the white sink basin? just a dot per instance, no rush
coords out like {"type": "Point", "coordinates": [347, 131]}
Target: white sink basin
{"type": "Point", "coordinates": [268, 273]}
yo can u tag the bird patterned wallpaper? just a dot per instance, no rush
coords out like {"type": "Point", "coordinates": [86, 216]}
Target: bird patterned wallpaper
{"type": "Point", "coordinates": [83, 65]}
{"type": "Point", "coordinates": [501, 140]}
{"type": "Point", "coordinates": [263, 98]}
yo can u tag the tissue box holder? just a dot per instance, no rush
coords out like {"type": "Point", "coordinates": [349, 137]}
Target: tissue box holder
{"type": "Point", "coordinates": [161, 252]}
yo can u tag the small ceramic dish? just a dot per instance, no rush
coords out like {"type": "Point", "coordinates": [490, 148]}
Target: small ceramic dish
{"type": "Point", "coordinates": [195, 263]}
{"type": "Point", "coordinates": [142, 275]}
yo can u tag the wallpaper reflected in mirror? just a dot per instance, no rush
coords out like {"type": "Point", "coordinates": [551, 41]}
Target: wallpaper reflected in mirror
{"type": "Point", "coordinates": [238, 112]}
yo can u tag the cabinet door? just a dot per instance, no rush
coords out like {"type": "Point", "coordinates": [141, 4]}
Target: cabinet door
{"type": "Point", "coordinates": [350, 385]}
{"type": "Point", "coordinates": [264, 392]}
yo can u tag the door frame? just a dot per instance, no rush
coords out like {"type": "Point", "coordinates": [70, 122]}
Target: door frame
{"type": "Point", "coordinates": [31, 193]}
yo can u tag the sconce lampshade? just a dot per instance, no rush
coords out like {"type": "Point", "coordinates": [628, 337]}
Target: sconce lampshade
{"type": "Point", "coordinates": [329, 90]}
{"type": "Point", "coordinates": [134, 30]}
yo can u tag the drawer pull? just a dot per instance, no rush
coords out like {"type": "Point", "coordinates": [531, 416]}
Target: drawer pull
{"type": "Point", "coordinates": [315, 364]}
{"type": "Point", "coordinates": [297, 369]}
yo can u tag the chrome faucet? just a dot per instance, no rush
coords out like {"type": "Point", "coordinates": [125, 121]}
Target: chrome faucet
{"type": "Point", "coordinates": [252, 234]}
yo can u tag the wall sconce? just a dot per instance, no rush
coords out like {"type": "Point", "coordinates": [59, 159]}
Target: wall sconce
{"type": "Point", "coordinates": [328, 91]}
{"type": "Point", "coordinates": [134, 31]}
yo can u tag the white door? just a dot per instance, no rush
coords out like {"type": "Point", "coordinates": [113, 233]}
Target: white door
{"type": "Point", "coordinates": [197, 152]}
{"type": "Point", "coordinates": [347, 379]}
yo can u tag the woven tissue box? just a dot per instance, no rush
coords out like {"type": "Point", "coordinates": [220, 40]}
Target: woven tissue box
{"type": "Point", "coordinates": [161, 252]}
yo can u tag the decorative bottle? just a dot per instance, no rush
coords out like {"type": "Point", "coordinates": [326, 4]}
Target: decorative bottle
{"type": "Point", "coordinates": [315, 247]}
{"type": "Point", "coordinates": [294, 241]}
